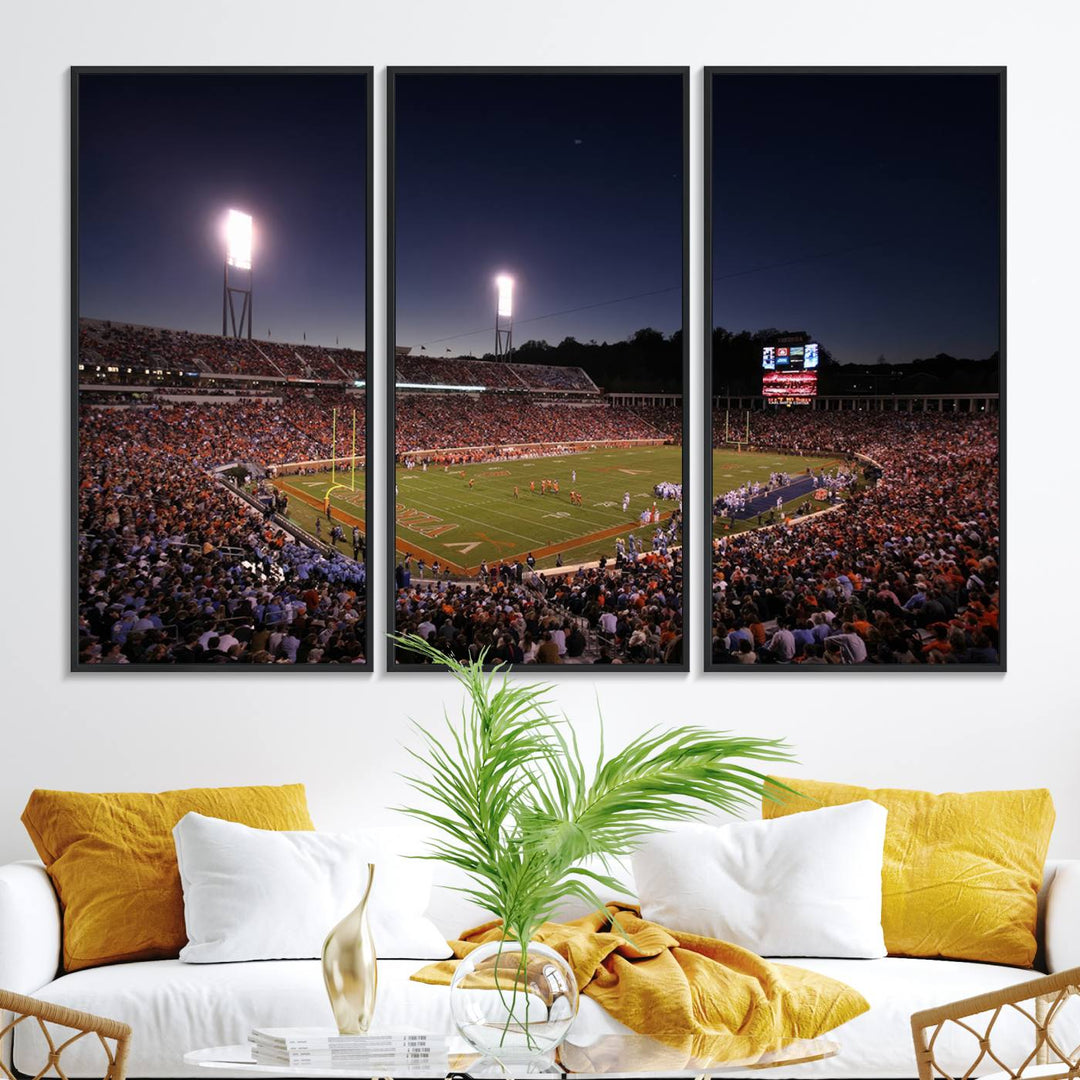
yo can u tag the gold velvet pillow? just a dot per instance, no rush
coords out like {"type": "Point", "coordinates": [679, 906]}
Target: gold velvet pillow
{"type": "Point", "coordinates": [961, 872]}
{"type": "Point", "coordinates": [113, 863]}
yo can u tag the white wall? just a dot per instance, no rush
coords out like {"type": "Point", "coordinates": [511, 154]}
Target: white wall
{"type": "Point", "coordinates": [341, 734]}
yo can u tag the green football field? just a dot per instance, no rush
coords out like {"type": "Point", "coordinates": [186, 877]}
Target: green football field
{"type": "Point", "coordinates": [470, 513]}
{"type": "Point", "coordinates": [306, 495]}
{"type": "Point", "coordinates": [441, 515]}
{"type": "Point", "coordinates": [732, 469]}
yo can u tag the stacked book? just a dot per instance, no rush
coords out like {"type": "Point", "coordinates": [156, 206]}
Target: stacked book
{"type": "Point", "coordinates": [399, 1050]}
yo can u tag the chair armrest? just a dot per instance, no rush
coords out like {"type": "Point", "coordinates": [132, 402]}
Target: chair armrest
{"type": "Point", "coordinates": [22, 1009]}
{"type": "Point", "coordinates": [29, 928]}
{"type": "Point", "coordinates": [1038, 1001]}
{"type": "Point", "coordinates": [1063, 917]}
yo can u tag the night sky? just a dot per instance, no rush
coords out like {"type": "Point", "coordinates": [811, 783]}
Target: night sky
{"type": "Point", "coordinates": [571, 183]}
{"type": "Point", "coordinates": [897, 174]}
{"type": "Point", "coordinates": [163, 157]}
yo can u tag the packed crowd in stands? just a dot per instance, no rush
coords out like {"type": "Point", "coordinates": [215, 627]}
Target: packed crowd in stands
{"type": "Point", "coordinates": [437, 421]}
{"type": "Point", "coordinates": [554, 377]}
{"type": "Point", "coordinates": [454, 371]}
{"type": "Point", "coordinates": [465, 371]}
{"type": "Point", "coordinates": [666, 419]}
{"type": "Point", "coordinates": [123, 345]}
{"type": "Point", "coordinates": [143, 348]}
{"type": "Point", "coordinates": [470, 455]}
{"type": "Point", "coordinates": [904, 571]}
{"type": "Point", "coordinates": [629, 612]}
{"type": "Point", "coordinates": [174, 568]}
{"type": "Point", "coordinates": [297, 428]}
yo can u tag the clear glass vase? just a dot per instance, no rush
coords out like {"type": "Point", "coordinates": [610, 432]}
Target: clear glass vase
{"type": "Point", "coordinates": [514, 1004]}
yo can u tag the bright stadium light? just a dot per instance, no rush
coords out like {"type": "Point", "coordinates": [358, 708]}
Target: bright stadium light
{"type": "Point", "coordinates": [238, 276]}
{"type": "Point", "coordinates": [238, 237]}
{"type": "Point", "coordinates": [505, 284]}
{"type": "Point", "coordinates": [504, 317]}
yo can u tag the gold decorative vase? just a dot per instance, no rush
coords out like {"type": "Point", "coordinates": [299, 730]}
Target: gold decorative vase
{"type": "Point", "coordinates": [349, 968]}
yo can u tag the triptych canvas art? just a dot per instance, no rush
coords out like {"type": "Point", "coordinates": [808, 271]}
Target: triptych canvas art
{"type": "Point", "coordinates": [537, 370]}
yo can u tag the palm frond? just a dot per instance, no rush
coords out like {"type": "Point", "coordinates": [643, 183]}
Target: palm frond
{"type": "Point", "coordinates": [517, 809]}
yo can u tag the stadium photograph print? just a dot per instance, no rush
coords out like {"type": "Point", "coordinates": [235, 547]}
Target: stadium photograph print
{"type": "Point", "coordinates": [537, 361]}
{"type": "Point", "coordinates": [221, 312]}
{"type": "Point", "coordinates": [854, 368]}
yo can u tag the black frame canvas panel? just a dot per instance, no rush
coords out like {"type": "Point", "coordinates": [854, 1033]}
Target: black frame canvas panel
{"type": "Point", "coordinates": [537, 362]}
{"type": "Point", "coordinates": [854, 324]}
{"type": "Point", "coordinates": [221, 301]}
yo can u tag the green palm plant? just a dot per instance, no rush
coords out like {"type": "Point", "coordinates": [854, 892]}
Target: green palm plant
{"type": "Point", "coordinates": [518, 810]}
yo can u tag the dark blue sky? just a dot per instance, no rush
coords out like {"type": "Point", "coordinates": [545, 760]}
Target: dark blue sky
{"type": "Point", "coordinates": [571, 183]}
{"type": "Point", "coordinates": [163, 156]}
{"type": "Point", "coordinates": [898, 173]}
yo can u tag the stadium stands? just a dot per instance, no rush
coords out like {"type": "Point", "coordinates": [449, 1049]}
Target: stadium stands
{"type": "Point", "coordinates": [465, 371]}
{"type": "Point", "coordinates": [905, 571]}
{"type": "Point", "coordinates": [666, 419]}
{"type": "Point", "coordinates": [440, 421]}
{"type": "Point", "coordinates": [629, 613]}
{"type": "Point", "coordinates": [174, 568]}
{"type": "Point", "coordinates": [122, 345]}
{"type": "Point", "coordinates": [552, 377]}
{"type": "Point", "coordinates": [268, 432]}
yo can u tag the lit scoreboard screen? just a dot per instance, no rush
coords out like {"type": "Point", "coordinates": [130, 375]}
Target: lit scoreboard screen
{"type": "Point", "coordinates": [790, 357]}
{"type": "Point", "coordinates": [789, 373]}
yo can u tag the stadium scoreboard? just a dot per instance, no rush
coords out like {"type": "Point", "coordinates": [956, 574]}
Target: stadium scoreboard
{"type": "Point", "coordinates": [789, 373]}
{"type": "Point", "coordinates": [790, 357]}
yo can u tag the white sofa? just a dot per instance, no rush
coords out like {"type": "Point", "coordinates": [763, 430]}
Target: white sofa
{"type": "Point", "coordinates": [175, 1007]}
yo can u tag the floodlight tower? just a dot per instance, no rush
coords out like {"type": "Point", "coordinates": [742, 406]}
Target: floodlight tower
{"type": "Point", "coordinates": [504, 317]}
{"type": "Point", "coordinates": [237, 264]}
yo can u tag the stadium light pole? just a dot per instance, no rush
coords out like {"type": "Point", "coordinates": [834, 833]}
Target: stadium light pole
{"type": "Point", "coordinates": [238, 231]}
{"type": "Point", "coordinates": [504, 317]}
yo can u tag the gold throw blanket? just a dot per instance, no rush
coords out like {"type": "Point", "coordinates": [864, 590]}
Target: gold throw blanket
{"type": "Point", "coordinates": [703, 998]}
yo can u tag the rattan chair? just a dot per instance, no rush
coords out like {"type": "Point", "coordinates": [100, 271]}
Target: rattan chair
{"type": "Point", "coordinates": [1040, 1002]}
{"type": "Point", "coordinates": [108, 1032]}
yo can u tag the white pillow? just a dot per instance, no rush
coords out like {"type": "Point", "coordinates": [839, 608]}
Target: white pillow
{"type": "Point", "coordinates": [259, 894]}
{"type": "Point", "coordinates": [804, 885]}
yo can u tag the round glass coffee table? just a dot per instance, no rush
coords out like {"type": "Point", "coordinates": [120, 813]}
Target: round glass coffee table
{"type": "Point", "coordinates": [628, 1056]}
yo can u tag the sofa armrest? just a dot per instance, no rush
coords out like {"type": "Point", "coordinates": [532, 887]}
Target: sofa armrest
{"type": "Point", "coordinates": [29, 928]}
{"type": "Point", "coordinates": [1063, 917]}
